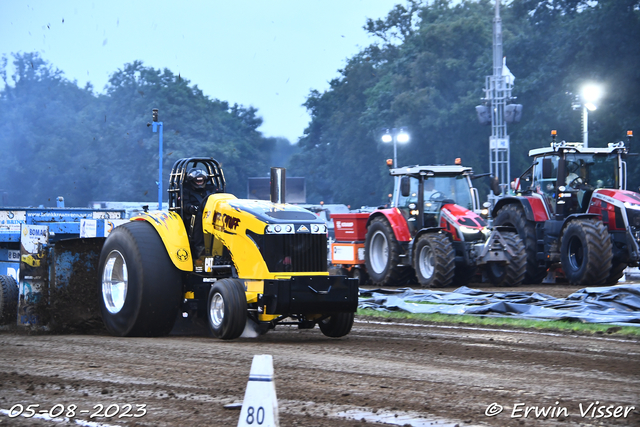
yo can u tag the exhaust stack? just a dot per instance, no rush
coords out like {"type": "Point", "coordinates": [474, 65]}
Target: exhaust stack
{"type": "Point", "coordinates": [277, 188]}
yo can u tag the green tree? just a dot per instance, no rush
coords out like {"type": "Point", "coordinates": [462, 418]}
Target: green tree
{"type": "Point", "coordinates": [47, 150]}
{"type": "Point", "coordinates": [61, 140]}
{"type": "Point", "coordinates": [194, 125]}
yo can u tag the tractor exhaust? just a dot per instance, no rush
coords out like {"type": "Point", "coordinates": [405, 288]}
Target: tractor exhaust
{"type": "Point", "coordinates": [277, 185]}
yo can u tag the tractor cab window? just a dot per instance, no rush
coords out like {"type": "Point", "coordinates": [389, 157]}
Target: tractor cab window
{"type": "Point", "coordinates": [545, 176]}
{"type": "Point", "coordinates": [463, 195]}
{"type": "Point", "coordinates": [586, 172]}
{"type": "Point", "coordinates": [408, 205]}
{"type": "Point", "coordinates": [412, 198]}
{"type": "Point", "coordinates": [448, 189]}
{"type": "Point", "coordinates": [593, 170]}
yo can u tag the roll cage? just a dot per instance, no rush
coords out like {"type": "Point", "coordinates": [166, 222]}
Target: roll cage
{"type": "Point", "coordinates": [215, 182]}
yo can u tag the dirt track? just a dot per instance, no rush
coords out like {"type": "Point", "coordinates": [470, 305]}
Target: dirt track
{"type": "Point", "coordinates": [447, 374]}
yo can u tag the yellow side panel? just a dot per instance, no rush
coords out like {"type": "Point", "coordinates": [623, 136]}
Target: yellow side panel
{"type": "Point", "coordinates": [171, 229]}
{"type": "Point", "coordinates": [229, 226]}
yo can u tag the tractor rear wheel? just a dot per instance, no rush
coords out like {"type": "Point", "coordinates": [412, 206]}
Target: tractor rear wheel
{"type": "Point", "coordinates": [512, 273]}
{"type": "Point", "coordinates": [8, 300]}
{"type": "Point", "coordinates": [382, 254]}
{"type": "Point", "coordinates": [434, 260]}
{"type": "Point", "coordinates": [514, 216]}
{"type": "Point", "coordinates": [586, 252]}
{"type": "Point", "coordinates": [337, 325]}
{"type": "Point", "coordinates": [227, 309]}
{"type": "Point", "coordinates": [141, 289]}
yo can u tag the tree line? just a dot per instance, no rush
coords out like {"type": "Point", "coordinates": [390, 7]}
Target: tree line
{"type": "Point", "coordinates": [425, 71]}
{"type": "Point", "coordinates": [59, 139]}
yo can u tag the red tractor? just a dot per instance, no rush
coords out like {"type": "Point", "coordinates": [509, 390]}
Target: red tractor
{"type": "Point", "coordinates": [574, 214]}
{"type": "Point", "coordinates": [432, 231]}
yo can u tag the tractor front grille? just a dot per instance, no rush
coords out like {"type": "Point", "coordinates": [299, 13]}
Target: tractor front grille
{"type": "Point", "coordinates": [292, 253]}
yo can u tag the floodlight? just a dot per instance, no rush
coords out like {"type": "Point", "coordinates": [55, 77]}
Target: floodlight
{"type": "Point", "coordinates": [591, 93]}
{"type": "Point", "coordinates": [403, 137]}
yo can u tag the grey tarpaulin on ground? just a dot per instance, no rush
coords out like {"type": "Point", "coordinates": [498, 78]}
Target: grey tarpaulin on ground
{"type": "Point", "coordinates": [610, 304]}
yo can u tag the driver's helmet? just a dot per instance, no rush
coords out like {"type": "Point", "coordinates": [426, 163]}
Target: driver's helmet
{"type": "Point", "coordinates": [197, 178]}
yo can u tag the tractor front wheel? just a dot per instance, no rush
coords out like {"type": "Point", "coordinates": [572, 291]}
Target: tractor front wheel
{"type": "Point", "coordinates": [227, 311]}
{"type": "Point", "coordinates": [434, 260]}
{"type": "Point", "coordinates": [511, 273]}
{"type": "Point", "coordinates": [140, 290]}
{"type": "Point", "coordinates": [337, 325]}
{"type": "Point", "coordinates": [586, 252]}
{"type": "Point", "coordinates": [513, 215]}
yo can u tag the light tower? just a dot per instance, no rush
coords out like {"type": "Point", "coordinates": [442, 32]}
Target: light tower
{"type": "Point", "coordinates": [498, 113]}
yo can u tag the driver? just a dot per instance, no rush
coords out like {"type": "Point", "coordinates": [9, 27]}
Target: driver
{"type": "Point", "coordinates": [429, 188]}
{"type": "Point", "coordinates": [195, 194]}
{"type": "Point", "coordinates": [576, 176]}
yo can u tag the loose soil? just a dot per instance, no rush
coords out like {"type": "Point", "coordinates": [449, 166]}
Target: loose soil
{"type": "Point", "coordinates": [440, 374]}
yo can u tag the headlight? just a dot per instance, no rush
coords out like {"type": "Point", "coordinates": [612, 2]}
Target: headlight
{"type": "Point", "coordinates": [469, 230]}
{"type": "Point", "coordinates": [279, 229]}
{"type": "Point", "coordinates": [318, 229]}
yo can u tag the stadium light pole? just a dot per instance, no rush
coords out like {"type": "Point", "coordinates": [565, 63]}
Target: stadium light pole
{"type": "Point", "coordinates": [589, 95]}
{"type": "Point", "coordinates": [395, 135]}
{"type": "Point", "coordinates": [157, 127]}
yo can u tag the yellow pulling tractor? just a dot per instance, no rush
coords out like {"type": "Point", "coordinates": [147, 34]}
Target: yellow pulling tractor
{"type": "Point", "coordinates": [263, 264]}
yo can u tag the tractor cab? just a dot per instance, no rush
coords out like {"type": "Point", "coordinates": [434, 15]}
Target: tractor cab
{"type": "Point", "coordinates": [435, 196]}
{"type": "Point", "coordinates": [566, 174]}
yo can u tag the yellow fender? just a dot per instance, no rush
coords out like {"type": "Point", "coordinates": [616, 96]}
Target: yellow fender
{"type": "Point", "coordinates": [173, 233]}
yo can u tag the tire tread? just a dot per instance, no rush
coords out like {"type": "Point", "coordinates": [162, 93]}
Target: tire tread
{"type": "Point", "coordinates": [8, 300]}
{"type": "Point", "coordinates": [514, 215]}
{"type": "Point", "coordinates": [444, 268]}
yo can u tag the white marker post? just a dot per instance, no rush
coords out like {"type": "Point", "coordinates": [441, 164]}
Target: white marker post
{"type": "Point", "coordinates": [260, 405]}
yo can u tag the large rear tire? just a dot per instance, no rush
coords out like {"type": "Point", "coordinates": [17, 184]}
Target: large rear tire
{"type": "Point", "coordinates": [434, 260]}
{"type": "Point", "coordinates": [8, 300]}
{"type": "Point", "coordinates": [227, 309]}
{"type": "Point", "coordinates": [514, 216]}
{"type": "Point", "coordinates": [141, 289]}
{"type": "Point", "coordinates": [586, 252]}
{"type": "Point", "coordinates": [382, 255]}
{"type": "Point", "coordinates": [512, 273]}
{"type": "Point", "coordinates": [337, 325]}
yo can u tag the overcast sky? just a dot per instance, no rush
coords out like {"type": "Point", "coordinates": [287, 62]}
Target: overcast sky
{"type": "Point", "coordinates": [267, 54]}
